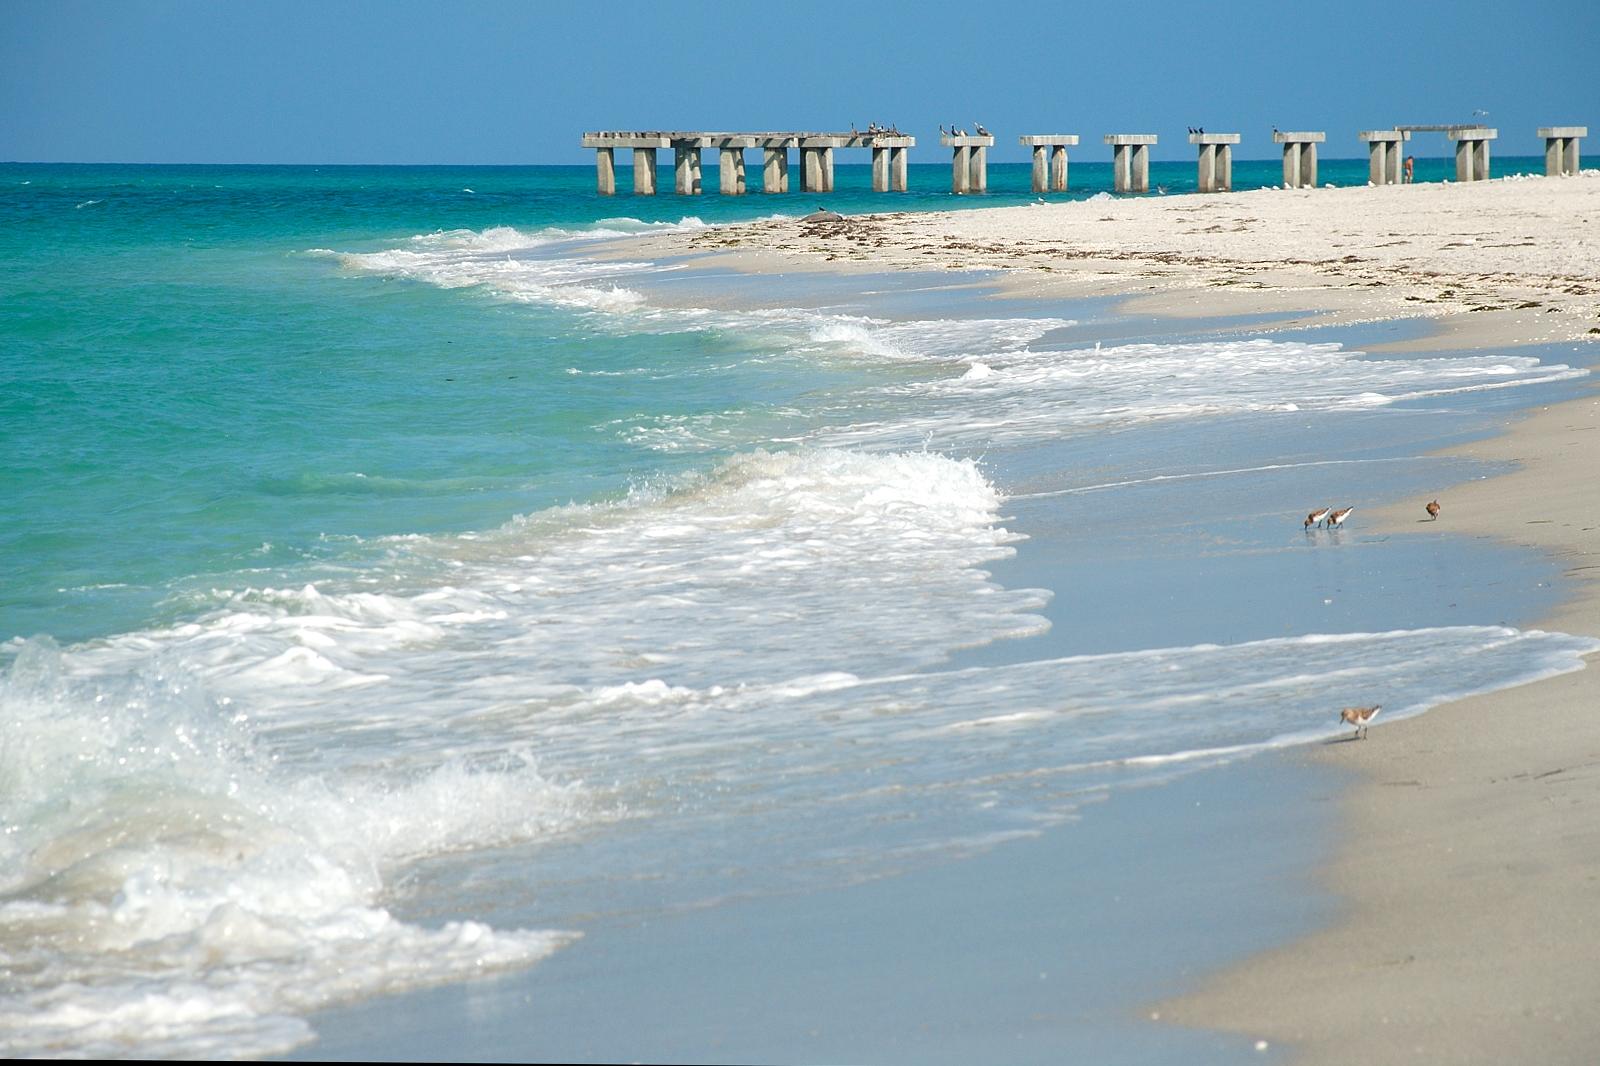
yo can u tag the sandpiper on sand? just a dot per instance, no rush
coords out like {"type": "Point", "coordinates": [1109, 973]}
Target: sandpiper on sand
{"type": "Point", "coordinates": [1433, 510]}
{"type": "Point", "coordinates": [1316, 517]}
{"type": "Point", "coordinates": [1336, 518]}
{"type": "Point", "coordinates": [1360, 717]}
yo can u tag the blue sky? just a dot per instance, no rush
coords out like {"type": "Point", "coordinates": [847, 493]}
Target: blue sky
{"type": "Point", "coordinates": [362, 81]}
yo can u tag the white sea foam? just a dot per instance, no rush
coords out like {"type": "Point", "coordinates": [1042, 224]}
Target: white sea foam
{"type": "Point", "coordinates": [1031, 395]}
{"type": "Point", "coordinates": [169, 887]}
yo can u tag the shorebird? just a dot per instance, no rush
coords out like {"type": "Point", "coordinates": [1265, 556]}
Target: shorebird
{"type": "Point", "coordinates": [1433, 510]}
{"type": "Point", "coordinates": [1336, 518]}
{"type": "Point", "coordinates": [1317, 517]}
{"type": "Point", "coordinates": [1360, 717]}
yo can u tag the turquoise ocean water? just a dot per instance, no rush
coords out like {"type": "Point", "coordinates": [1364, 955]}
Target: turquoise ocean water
{"type": "Point", "coordinates": [357, 527]}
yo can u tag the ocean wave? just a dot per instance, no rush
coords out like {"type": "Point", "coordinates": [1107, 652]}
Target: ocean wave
{"type": "Point", "coordinates": [1023, 394]}
{"type": "Point", "coordinates": [169, 885]}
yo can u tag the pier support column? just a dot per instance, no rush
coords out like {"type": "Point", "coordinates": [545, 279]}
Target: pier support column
{"type": "Point", "coordinates": [605, 168]}
{"type": "Point", "coordinates": [775, 170]}
{"type": "Point", "coordinates": [1130, 160]}
{"type": "Point", "coordinates": [686, 167]}
{"type": "Point", "coordinates": [1299, 158]}
{"type": "Point", "coordinates": [1472, 152]}
{"type": "Point", "coordinates": [880, 169]}
{"type": "Point", "coordinates": [730, 171]}
{"type": "Point", "coordinates": [644, 172]}
{"type": "Point", "coordinates": [969, 161]}
{"type": "Point", "coordinates": [810, 169]}
{"type": "Point", "coordinates": [1561, 148]}
{"type": "Point", "coordinates": [827, 169]}
{"type": "Point", "coordinates": [1051, 178]}
{"type": "Point", "coordinates": [1385, 153]}
{"type": "Point", "coordinates": [1554, 149]}
{"type": "Point", "coordinates": [1058, 168]}
{"type": "Point", "coordinates": [897, 170]}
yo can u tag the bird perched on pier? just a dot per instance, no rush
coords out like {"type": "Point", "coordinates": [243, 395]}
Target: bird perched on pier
{"type": "Point", "coordinates": [1317, 517]}
{"type": "Point", "coordinates": [1360, 717]}
{"type": "Point", "coordinates": [1336, 518]}
{"type": "Point", "coordinates": [1191, 130]}
{"type": "Point", "coordinates": [1433, 510]}
{"type": "Point", "coordinates": [981, 131]}
{"type": "Point", "coordinates": [942, 131]}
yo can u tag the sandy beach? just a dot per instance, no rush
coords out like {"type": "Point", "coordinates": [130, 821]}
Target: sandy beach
{"type": "Point", "coordinates": [1471, 854]}
{"type": "Point", "coordinates": [1497, 262]}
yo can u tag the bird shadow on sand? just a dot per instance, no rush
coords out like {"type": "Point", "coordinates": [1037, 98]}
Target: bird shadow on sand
{"type": "Point", "coordinates": [1343, 739]}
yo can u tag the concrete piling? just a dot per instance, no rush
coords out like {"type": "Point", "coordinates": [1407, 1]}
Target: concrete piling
{"type": "Point", "coordinates": [1216, 160]}
{"type": "Point", "coordinates": [644, 160]}
{"type": "Point", "coordinates": [686, 166]}
{"type": "Point", "coordinates": [1561, 148]}
{"type": "Point", "coordinates": [889, 162]}
{"type": "Point", "coordinates": [1299, 157]}
{"type": "Point", "coordinates": [1130, 160]}
{"type": "Point", "coordinates": [1472, 152]}
{"type": "Point", "coordinates": [1051, 176]}
{"type": "Point", "coordinates": [775, 163]}
{"type": "Point", "coordinates": [644, 171]}
{"type": "Point", "coordinates": [969, 161]}
{"type": "Point", "coordinates": [1385, 150]}
{"type": "Point", "coordinates": [730, 162]}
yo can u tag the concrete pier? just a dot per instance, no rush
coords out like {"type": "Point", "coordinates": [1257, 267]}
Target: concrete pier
{"type": "Point", "coordinates": [775, 161]}
{"type": "Point", "coordinates": [644, 171]}
{"type": "Point", "coordinates": [686, 165]}
{"type": "Point", "coordinates": [1561, 148]}
{"type": "Point", "coordinates": [1472, 152]}
{"type": "Point", "coordinates": [1130, 160]}
{"type": "Point", "coordinates": [644, 160]}
{"type": "Point", "coordinates": [1051, 177]}
{"type": "Point", "coordinates": [889, 163]}
{"type": "Point", "coordinates": [730, 161]}
{"type": "Point", "coordinates": [969, 161]}
{"type": "Point", "coordinates": [1385, 149]}
{"type": "Point", "coordinates": [816, 159]}
{"type": "Point", "coordinates": [1216, 160]}
{"type": "Point", "coordinates": [1299, 157]}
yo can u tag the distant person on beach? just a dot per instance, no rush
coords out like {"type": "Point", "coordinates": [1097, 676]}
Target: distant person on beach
{"type": "Point", "coordinates": [1411, 164]}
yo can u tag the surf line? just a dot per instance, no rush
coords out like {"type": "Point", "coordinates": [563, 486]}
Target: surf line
{"type": "Point", "coordinates": [1202, 474]}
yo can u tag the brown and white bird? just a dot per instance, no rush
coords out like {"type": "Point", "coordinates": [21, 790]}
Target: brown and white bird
{"type": "Point", "coordinates": [1317, 517]}
{"type": "Point", "coordinates": [1336, 518]}
{"type": "Point", "coordinates": [1433, 510]}
{"type": "Point", "coordinates": [1360, 717]}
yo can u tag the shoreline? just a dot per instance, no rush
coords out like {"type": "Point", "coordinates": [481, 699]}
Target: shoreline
{"type": "Point", "coordinates": [1468, 857]}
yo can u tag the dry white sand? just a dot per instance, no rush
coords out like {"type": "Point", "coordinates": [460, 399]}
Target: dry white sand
{"type": "Point", "coordinates": [1471, 867]}
{"type": "Point", "coordinates": [1513, 260]}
